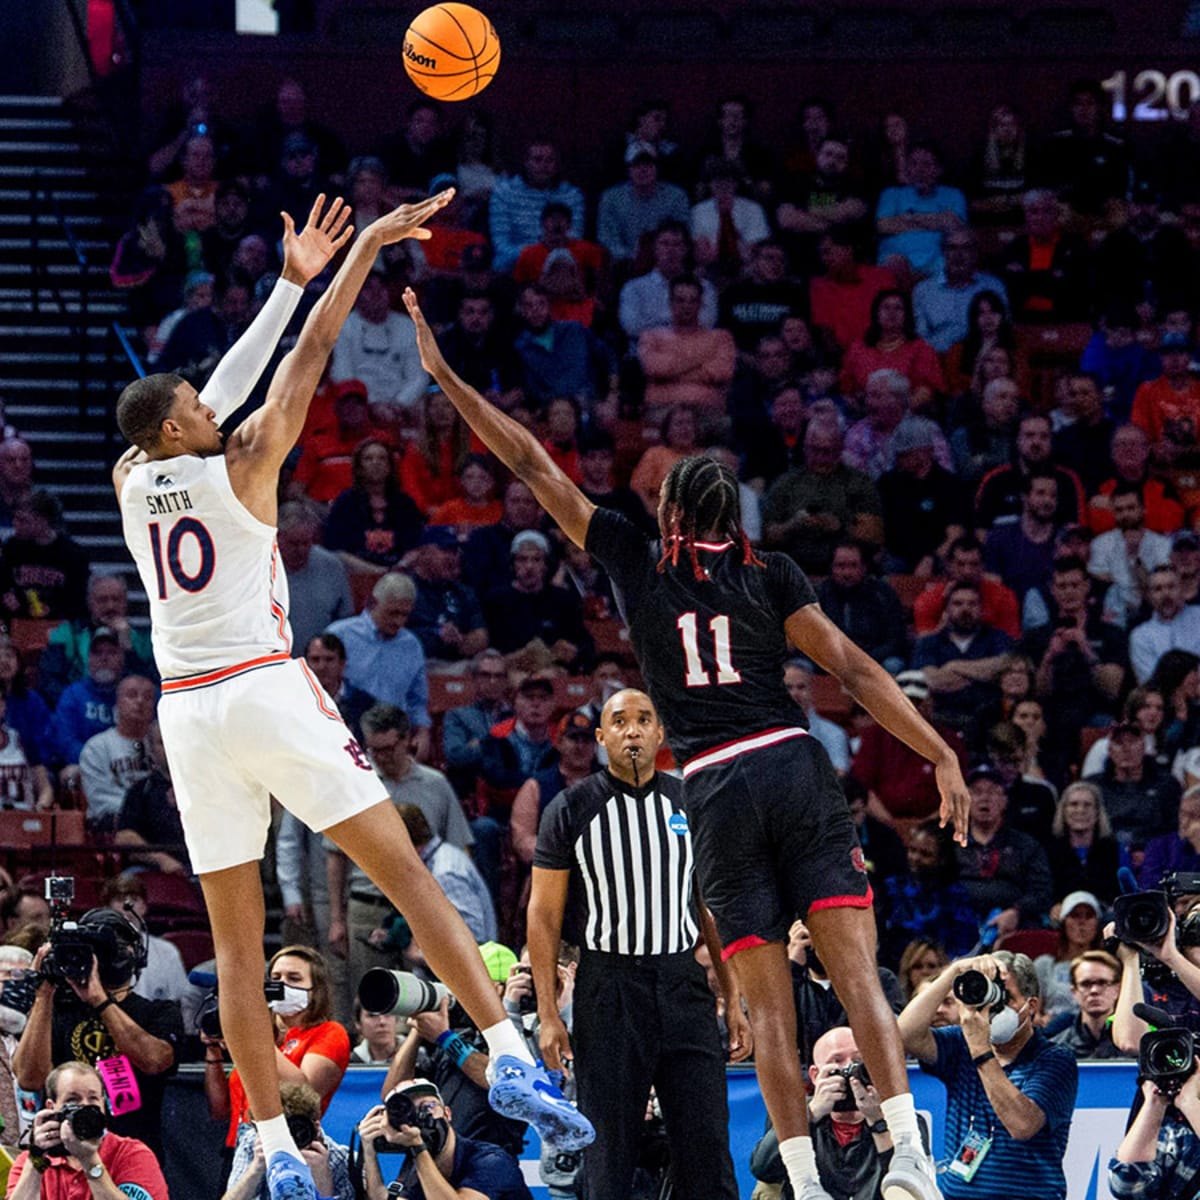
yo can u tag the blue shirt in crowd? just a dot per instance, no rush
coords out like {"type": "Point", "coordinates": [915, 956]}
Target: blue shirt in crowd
{"type": "Point", "coordinates": [390, 669]}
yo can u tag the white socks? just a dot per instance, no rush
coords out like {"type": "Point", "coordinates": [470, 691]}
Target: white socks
{"type": "Point", "coordinates": [275, 1135]}
{"type": "Point", "coordinates": [901, 1117]}
{"type": "Point", "coordinates": [503, 1038]}
{"type": "Point", "coordinates": [800, 1160]}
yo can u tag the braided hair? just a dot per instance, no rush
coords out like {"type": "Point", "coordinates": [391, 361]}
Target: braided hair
{"type": "Point", "coordinates": [701, 496]}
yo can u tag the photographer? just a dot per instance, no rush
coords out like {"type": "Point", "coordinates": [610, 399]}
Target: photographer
{"type": "Point", "coordinates": [95, 1015]}
{"type": "Point", "coordinates": [438, 1164]}
{"type": "Point", "coordinates": [71, 1154]}
{"type": "Point", "coordinates": [1010, 1092]}
{"type": "Point", "coordinates": [328, 1160]}
{"type": "Point", "coordinates": [1159, 1157]}
{"type": "Point", "coordinates": [850, 1136]}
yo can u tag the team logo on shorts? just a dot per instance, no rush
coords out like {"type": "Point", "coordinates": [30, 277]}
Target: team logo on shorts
{"type": "Point", "coordinates": [857, 861]}
{"type": "Point", "coordinates": [678, 824]}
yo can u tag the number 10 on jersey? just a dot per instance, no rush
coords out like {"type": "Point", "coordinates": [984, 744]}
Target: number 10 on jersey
{"type": "Point", "coordinates": [697, 675]}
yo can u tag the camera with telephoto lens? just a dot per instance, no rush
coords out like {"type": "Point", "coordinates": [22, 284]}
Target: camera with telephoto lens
{"type": "Point", "coordinates": [208, 1015]}
{"type": "Point", "coordinates": [851, 1070]}
{"type": "Point", "coordinates": [1167, 1057]}
{"type": "Point", "coordinates": [302, 1128]}
{"type": "Point", "coordinates": [400, 1111]}
{"type": "Point", "coordinates": [399, 993]}
{"type": "Point", "coordinates": [976, 990]}
{"type": "Point", "coordinates": [1142, 917]}
{"type": "Point", "coordinates": [88, 1122]}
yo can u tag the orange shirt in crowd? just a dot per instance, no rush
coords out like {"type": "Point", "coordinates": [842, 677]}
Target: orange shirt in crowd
{"type": "Point", "coordinates": [1164, 412]}
{"type": "Point", "coordinates": [463, 513]}
{"type": "Point", "coordinates": [325, 469]}
{"type": "Point", "coordinates": [419, 481]}
{"type": "Point", "coordinates": [915, 360]}
{"type": "Point", "coordinates": [1163, 514]}
{"type": "Point", "coordinates": [1000, 607]}
{"type": "Point", "coordinates": [845, 308]}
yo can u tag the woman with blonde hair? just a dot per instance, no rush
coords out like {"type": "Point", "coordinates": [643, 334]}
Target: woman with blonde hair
{"type": "Point", "coordinates": [1084, 855]}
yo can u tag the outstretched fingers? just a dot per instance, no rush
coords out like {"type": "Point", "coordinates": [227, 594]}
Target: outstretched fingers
{"type": "Point", "coordinates": [314, 213]}
{"type": "Point", "coordinates": [335, 217]}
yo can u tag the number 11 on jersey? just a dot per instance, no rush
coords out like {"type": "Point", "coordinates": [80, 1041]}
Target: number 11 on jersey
{"type": "Point", "coordinates": [696, 675]}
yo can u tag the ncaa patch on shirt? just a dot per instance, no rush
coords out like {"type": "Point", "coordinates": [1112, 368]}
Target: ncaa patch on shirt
{"type": "Point", "coordinates": [678, 824]}
{"type": "Point", "coordinates": [134, 1191]}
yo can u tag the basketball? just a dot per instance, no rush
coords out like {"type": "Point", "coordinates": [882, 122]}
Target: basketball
{"type": "Point", "coordinates": [451, 51]}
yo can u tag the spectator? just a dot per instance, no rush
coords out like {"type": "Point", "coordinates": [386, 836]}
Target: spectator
{"type": "Point", "coordinates": [204, 335]}
{"type": "Point", "coordinates": [1083, 854]}
{"type": "Point", "coordinates": [826, 199]}
{"type": "Point", "coordinates": [64, 660]}
{"type": "Point", "coordinates": [151, 261]}
{"type": "Point", "coordinates": [1001, 168]}
{"type": "Point", "coordinates": [429, 468]}
{"type": "Point", "coordinates": [1083, 444]}
{"type": "Point", "coordinates": [419, 151]}
{"type": "Point", "coordinates": [559, 358]}
{"type": "Point", "coordinates": [1143, 707]}
{"type": "Point", "coordinates": [562, 436]}
{"type": "Point", "coordinates": [1173, 625]}
{"type": "Point", "coordinates": [532, 610]}
{"type": "Point", "coordinates": [162, 977]}
{"type": "Point", "coordinates": [149, 817]}
{"type": "Point", "coordinates": [1177, 676]}
{"type": "Point", "coordinates": [1004, 871]}
{"type": "Point", "coordinates": [198, 290]}
{"type": "Point", "coordinates": [986, 327]}
{"type": "Point", "coordinates": [24, 780]}
{"type": "Point", "coordinates": [768, 457]}
{"type": "Point", "coordinates": [480, 353]}
{"type": "Point", "coordinates": [538, 263]}
{"type": "Point", "coordinates": [487, 555]}
{"type": "Point", "coordinates": [446, 616]}
{"type": "Point", "coordinates": [1177, 851]}
{"type": "Point", "coordinates": [864, 608]}
{"type": "Point", "coordinates": [328, 1160]}
{"type": "Point", "coordinates": [25, 910]}
{"type": "Point", "coordinates": [923, 503]}
{"type": "Point", "coordinates": [1141, 798]}
{"type": "Point", "coordinates": [220, 241]}
{"type": "Point", "coordinates": [1078, 923]}
{"type": "Point", "coordinates": [64, 1021]}
{"type": "Point", "coordinates": [1168, 408]}
{"type": "Point", "coordinates": [111, 762]}
{"type": "Point", "coordinates": [18, 1120]}
{"type": "Point", "coordinates": [900, 789]}
{"type": "Point", "coordinates": [756, 380]}
{"type": "Point", "coordinates": [726, 226]}
{"type": "Point", "coordinates": [378, 1037]}
{"type": "Point", "coordinates": [941, 304]}
{"type": "Point", "coordinates": [312, 1047]}
{"type": "Point", "coordinates": [1095, 982]}
{"type": "Point", "coordinates": [325, 655]}
{"type": "Point", "coordinates": [1047, 268]}
{"type": "Point", "coordinates": [677, 439]}
{"type": "Point", "coordinates": [911, 218]}
{"type": "Point", "coordinates": [386, 660]}
{"type": "Point", "coordinates": [1185, 558]}
{"type": "Point", "coordinates": [597, 459]}
{"type": "Point", "coordinates": [1000, 491]}
{"type": "Point", "coordinates": [379, 347]}
{"type": "Point", "coordinates": [194, 195]}
{"type": "Point", "coordinates": [810, 509]}
{"type": "Point", "coordinates": [922, 960]}
{"type": "Point", "coordinates": [445, 1162]}
{"type": "Point", "coordinates": [850, 1138]}
{"type": "Point", "coordinates": [631, 210]}
{"type": "Point", "coordinates": [16, 478]}
{"type": "Point", "coordinates": [1157, 1156]}
{"type": "Point", "coordinates": [797, 678]}
{"type": "Point", "coordinates": [466, 727]}
{"type": "Point", "coordinates": [518, 201]}
{"type": "Point", "coordinates": [1123, 558]}
{"type": "Point", "coordinates": [1130, 456]}
{"type": "Point", "coordinates": [86, 707]}
{"type": "Point", "coordinates": [326, 467]}
{"type": "Point", "coordinates": [1118, 359]}
{"type": "Point", "coordinates": [986, 442]}
{"type": "Point", "coordinates": [731, 139]}
{"type": "Point", "coordinates": [317, 587]}
{"type": "Point", "coordinates": [1085, 163]}
{"type": "Point", "coordinates": [645, 301]}
{"type": "Point", "coordinates": [1030, 801]}
{"type": "Point", "coordinates": [964, 564]}
{"type": "Point", "coordinates": [45, 570]}
{"type": "Point", "coordinates": [288, 115]}
{"type": "Point", "coordinates": [108, 1165]}
{"type": "Point", "coordinates": [298, 179]}
{"type": "Point", "coordinates": [753, 307]}
{"type": "Point", "coordinates": [891, 343]}
{"type": "Point", "coordinates": [451, 235]}
{"type": "Point", "coordinates": [841, 300]}
{"type": "Point", "coordinates": [925, 908]}
{"type": "Point", "coordinates": [1002, 1075]}
{"type": "Point", "coordinates": [1022, 552]}
{"type": "Point", "coordinates": [685, 363]}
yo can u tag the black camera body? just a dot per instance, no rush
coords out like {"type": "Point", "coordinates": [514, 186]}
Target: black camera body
{"type": "Point", "coordinates": [1167, 1057]}
{"type": "Point", "coordinates": [208, 1015]}
{"type": "Point", "coordinates": [976, 990]}
{"type": "Point", "coordinates": [303, 1129]}
{"type": "Point", "coordinates": [88, 1122]}
{"type": "Point", "coordinates": [400, 1111]}
{"type": "Point", "coordinates": [851, 1070]}
{"type": "Point", "coordinates": [1142, 917]}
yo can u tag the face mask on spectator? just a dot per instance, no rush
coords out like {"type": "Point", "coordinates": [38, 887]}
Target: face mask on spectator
{"type": "Point", "coordinates": [295, 1000]}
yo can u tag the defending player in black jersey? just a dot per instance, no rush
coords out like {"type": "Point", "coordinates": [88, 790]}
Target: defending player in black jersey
{"type": "Point", "coordinates": [711, 624]}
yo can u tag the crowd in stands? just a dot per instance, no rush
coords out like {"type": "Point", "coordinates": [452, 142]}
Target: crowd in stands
{"type": "Point", "coordinates": [964, 400]}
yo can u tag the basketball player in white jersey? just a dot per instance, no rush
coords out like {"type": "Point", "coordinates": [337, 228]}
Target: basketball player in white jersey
{"type": "Point", "coordinates": [241, 720]}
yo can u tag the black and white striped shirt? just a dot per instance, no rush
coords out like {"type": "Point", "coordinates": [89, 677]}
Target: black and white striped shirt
{"type": "Point", "coordinates": [630, 856]}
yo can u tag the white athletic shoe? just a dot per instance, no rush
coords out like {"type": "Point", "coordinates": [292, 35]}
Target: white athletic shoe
{"type": "Point", "coordinates": [911, 1176]}
{"type": "Point", "coordinates": [812, 1190]}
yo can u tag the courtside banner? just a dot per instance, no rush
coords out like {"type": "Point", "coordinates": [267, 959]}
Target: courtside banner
{"type": "Point", "coordinates": [1106, 1091]}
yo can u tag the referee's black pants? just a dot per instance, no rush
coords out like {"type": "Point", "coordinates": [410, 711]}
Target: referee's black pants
{"type": "Point", "coordinates": [642, 1020]}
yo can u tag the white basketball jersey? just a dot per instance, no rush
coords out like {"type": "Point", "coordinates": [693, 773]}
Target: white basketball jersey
{"type": "Point", "coordinates": [218, 594]}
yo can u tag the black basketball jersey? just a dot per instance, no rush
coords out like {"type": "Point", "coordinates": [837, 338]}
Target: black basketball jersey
{"type": "Point", "coordinates": [712, 650]}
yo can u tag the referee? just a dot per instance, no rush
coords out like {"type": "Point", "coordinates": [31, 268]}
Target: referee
{"type": "Point", "coordinates": [614, 868]}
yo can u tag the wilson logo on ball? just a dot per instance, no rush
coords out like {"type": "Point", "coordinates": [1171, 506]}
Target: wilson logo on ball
{"type": "Point", "coordinates": [420, 60]}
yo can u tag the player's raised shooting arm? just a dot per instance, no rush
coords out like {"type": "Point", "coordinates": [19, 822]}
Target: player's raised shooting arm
{"type": "Point", "coordinates": [813, 633]}
{"type": "Point", "coordinates": [507, 439]}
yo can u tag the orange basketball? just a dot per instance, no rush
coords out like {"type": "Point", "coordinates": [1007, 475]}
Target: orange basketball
{"type": "Point", "coordinates": [451, 51]}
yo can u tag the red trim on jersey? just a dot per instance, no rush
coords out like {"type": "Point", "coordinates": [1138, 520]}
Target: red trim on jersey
{"type": "Point", "coordinates": [753, 741]}
{"type": "Point", "coordinates": [319, 692]}
{"type": "Point", "coordinates": [219, 676]}
{"type": "Point", "coordinates": [844, 901]}
{"type": "Point", "coordinates": [744, 943]}
{"type": "Point", "coordinates": [276, 607]}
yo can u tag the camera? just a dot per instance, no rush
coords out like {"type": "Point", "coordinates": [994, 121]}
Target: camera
{"type": "Point", "coordinates": [303, 1129]}
{"type": "Point", "coordinates": [208, 1015]}
{"type": "Point", "coordinates": [88, 1122]}
{"type": "Point", "coordinates": [852, 1070]}
{"type": "Point", "coordinates": [527, 1003]}
{"type": "Point", "coordinates": [398, 993]}
{"type": "Point", "coordinates": [101, 933]}
{"type": "Point", "coordinates": [400, 1111]}
{"type": "Point", "coordinates": [1167, 1057]}
{"type": "Point", "coordinates": [976, 990]}
{"type": "Point", "coordinates": [1142, 917]}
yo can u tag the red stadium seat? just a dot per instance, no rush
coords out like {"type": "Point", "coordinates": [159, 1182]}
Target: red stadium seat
{"type": "Point", "coordinates": [30, 636]}
{"type": "Point", "coordinates": [1033, 942]}
{"type": "Point", "coordinates": [172, 896]}
{"type": "Point", "coordinates": [449, 691]}
{"type": "Point", "coordinates": [20, 830]}
{"type": "Point", "coordinates": [362, 584]}
{"type": "Point", "coordinates": [907, 588]}
{"type": "Point", "coordinates": [830, 698]}
{"type": "Point", "coordinates": [194, 945]}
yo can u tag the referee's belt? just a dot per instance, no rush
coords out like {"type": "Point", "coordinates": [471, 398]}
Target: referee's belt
{"type": "Point", "coordinates": [367, 898]}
